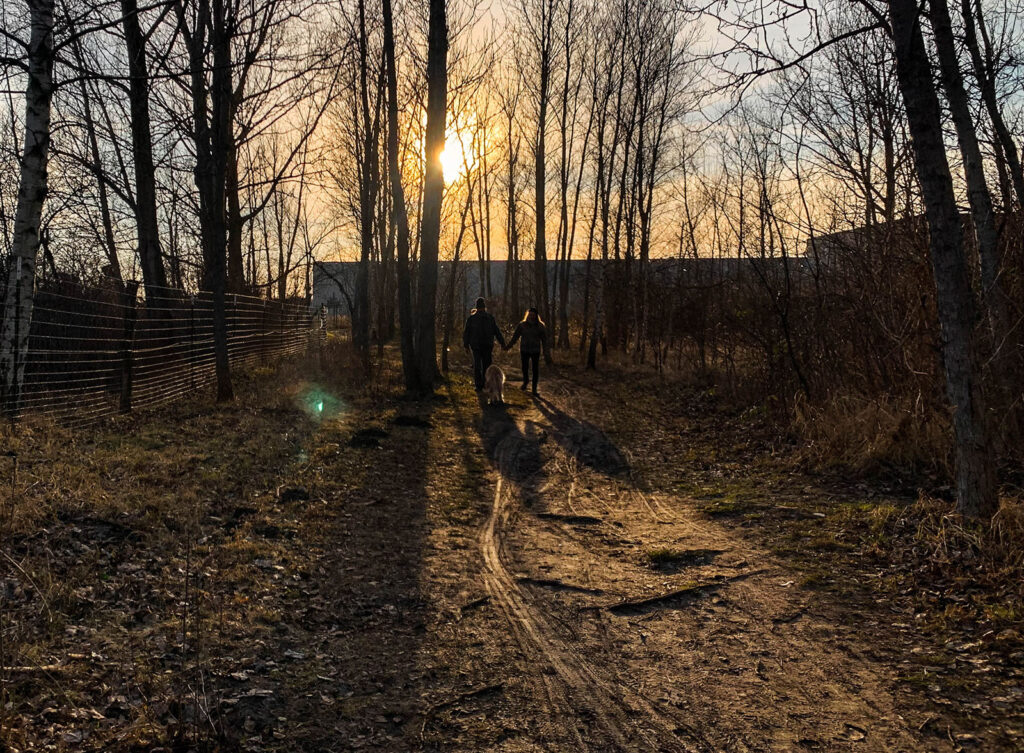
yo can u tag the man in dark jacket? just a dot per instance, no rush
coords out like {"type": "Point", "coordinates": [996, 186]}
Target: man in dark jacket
{"type": "Point", "coordinates": [478, 336]}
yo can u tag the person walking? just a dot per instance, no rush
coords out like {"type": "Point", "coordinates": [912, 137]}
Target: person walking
{"type": "Point", "coordinates": [532, 335]}
{"type": "Point", "coordinates": [479, 335]}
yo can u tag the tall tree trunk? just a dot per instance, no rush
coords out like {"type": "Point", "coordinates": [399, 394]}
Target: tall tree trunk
{"type": "Point", "coordinates": [433, 192]}
{"type": "Point", "coordinates": [512, 228]}
{"type": "Point", "coordinates": [385, 289]}
{"type": "Point", "coordinates": [153, 276]}
{"type": "Point", "coordinates": [561, 335]}
{"type": "Point", "coordinates": [17, 316]}
{"type": "Point", "coordinates": [367, 202]}
{"type": "Point", "coordinates": [222, 139]}
{"type": "Point", "coordinates": [398, 209]}
{"type": "Point", "coordinates": [485, 196]}
{"type": "Point", "coordinates": [589, 268]}
{"type": "Point", "coordinates": [540, 254]}
{"type": "Point", "coordinates": [976, 478]}
{"type": "Point", "coordinates": [282, 275]}
{"type": "Point", "coordinates": [293, 235]}
{"type": "Point", "coordinates": [453, 276]}
{"type": "Point", "coordinates": [980, 199]}
{"type": "Point", "coordinates": [595, 334]}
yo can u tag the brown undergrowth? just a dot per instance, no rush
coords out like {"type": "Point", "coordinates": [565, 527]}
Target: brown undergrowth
{"type": "Point", "coordinates": [905, 436]}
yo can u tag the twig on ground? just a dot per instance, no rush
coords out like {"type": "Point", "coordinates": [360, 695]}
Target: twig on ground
{"type": "Point", "coordinates": [642, 605]}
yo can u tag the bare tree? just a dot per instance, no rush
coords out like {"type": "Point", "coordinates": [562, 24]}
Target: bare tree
{"type": "Point", "coordinates": [433, 191]}
{"type": "Point", "coordinates": [212, 135]}
{"type": "Point", "coordinates": [369, 185]}
{"type": "Point", "coordinates": [153, 275]}
{"type": "Point", "coordinates": [976, 477]}
{"type": "Point", "coordinates": [983, 61]}
{"type": "Point", "coordinates": [538, 18]}
{"type": "Point", "coordinates": [400, 217]}
{"type": "Point", "coordinates": [509, 102]}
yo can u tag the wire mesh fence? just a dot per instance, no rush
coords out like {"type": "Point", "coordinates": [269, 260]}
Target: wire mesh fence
{"type": "Point", "coordinates": [94, 352]}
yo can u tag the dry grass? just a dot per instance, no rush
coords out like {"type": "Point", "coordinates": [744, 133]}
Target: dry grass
{"type": "Point", "coordinates": [873, 435]}
{"type": "Point", "coordinates": [130, 551]}
{"type": "Point", "coordinates": [154, 559]}
{"type": "Point", "coordinates": [993, 549]}
{"type": "Point", "coordinates": [860, 531]}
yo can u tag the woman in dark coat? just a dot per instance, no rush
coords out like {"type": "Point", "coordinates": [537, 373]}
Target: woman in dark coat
{"type": "Point", "coordinates": [532, 335]}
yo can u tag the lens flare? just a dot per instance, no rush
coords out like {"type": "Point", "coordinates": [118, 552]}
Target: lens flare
{"type": "Point", "coordinates": [319, 404]}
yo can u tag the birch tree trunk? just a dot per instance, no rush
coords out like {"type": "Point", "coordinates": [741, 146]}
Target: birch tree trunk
{"type": "Point", "coordinates": [17, 315]}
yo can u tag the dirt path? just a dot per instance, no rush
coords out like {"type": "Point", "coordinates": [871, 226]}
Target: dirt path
{"type": "Point", "coordinates": [387, 575]}
{"type": "Point", "coordinates": [569, 687]}
{"type": "Point", "coordinates": [706, 645]}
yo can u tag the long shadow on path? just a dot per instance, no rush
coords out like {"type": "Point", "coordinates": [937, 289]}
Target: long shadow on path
{"type": "Point", "coordinates": [514, 450]}
{"type": "Point", "coordinates": [583, 440]}
{"type": "Point", "coordinates": [348, 680]}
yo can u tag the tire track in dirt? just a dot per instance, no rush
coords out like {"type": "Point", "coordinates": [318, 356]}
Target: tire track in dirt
{"type": "Point", "coordinates": [574, 688]}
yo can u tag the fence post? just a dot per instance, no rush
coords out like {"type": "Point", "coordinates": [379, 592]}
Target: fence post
{"type": "Point", "coordinates": [233, 326]}
{"type": "Point", "coordinates": [192, 342]}
{"type": "Point", "coordinates": [129, 293]}
{"type": "Point", "coordinates": [263, 331]}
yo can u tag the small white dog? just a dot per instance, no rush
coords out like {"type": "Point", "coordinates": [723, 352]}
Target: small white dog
{"type": "Point", "coordinates": [494, 382]}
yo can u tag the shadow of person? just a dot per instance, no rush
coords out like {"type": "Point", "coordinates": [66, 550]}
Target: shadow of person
{"type": "Point", "coordinates": [583, 440]}
{"type": "Point", "coordinates": [514, 450]}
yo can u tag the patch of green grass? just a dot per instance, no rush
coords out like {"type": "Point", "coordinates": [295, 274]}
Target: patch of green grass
{"type": "Point", "coordinates": [1004, 614]}
{"type": "Point", "coordinates": [828, 542]}
{"type": "Point", "coordinates": [816, 580]}
{"type": "Point", "coordinates": [935, 660]}
{"type": "Point", "coordinates": [919, 680]}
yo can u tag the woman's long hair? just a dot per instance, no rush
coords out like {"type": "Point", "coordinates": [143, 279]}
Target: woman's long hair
{"type": "Point", "coordinates": [526, 316]}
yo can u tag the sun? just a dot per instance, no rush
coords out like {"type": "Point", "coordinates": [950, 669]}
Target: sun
{"type": "Point", "coordinates": [453, 163]}
{"type": "Point", "coordinates": [457, 157]}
